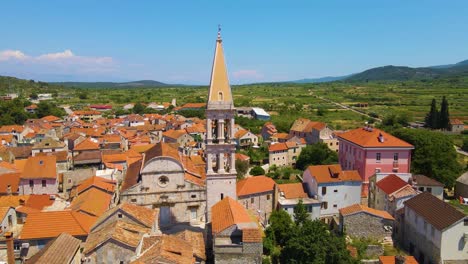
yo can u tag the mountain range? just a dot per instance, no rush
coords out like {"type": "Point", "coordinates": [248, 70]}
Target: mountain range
{"type": "Point", "coordinates": [398, 73]}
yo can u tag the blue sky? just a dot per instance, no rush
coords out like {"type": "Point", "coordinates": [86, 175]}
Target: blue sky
{"type": "Point", "coordinates": [173, 41]}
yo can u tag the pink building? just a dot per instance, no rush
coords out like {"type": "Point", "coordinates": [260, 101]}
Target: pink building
{"type": "Point", "coordinates": [39, 176]}
{"type": "Point", "coordinates": [370, 150]}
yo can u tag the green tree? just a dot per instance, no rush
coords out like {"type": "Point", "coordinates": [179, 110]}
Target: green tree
{"type": "Point", "coordinates": [257, 170]}
{"type": "Point", "coordinates": [241, 168]}
{"type": "Point", "coordinates": [83, 96]}
{"type": "Point", "coordinates": [280, 227]}
{"type": "Point", "coordinates": [300, 213]}
{"type": "Point", "coordinates": [138, 108]}
{"type": "Point", "coordinates": [432, 117]}
{"type": "Point", "coordinates": [312, 242]}
{"type": "Point", "coordinates": [444, 119]}
{"type": "Point", "coordinates": [316, 154]}
{"type": "Point", "coordinates": [433, 154]}
{"type": "Point", "coordinates": [33, 96]}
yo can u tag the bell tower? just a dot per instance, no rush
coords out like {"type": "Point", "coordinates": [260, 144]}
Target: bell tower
{"type": "Point", "coordinates": [220, 145]}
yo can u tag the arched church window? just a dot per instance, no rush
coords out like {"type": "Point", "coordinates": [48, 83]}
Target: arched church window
{"type": "Point", "coordinates": [163, 181]}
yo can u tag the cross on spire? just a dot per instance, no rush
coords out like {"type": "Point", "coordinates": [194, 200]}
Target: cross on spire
{"type": "Point", "coordinates": [219, 31]}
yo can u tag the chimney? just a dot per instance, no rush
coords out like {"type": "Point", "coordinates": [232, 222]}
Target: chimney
{"type": "Point", "coordinates": [381, 138]}
{"type": "Point", "coordinates": [400, 259]}
{"type": "Point", "coordinates": [10, 249]}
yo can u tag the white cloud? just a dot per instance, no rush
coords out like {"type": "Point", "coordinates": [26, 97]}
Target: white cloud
{"type": "Point", "coordinates": [12, 55]}
{"type": "Point", "coordinates": [247, 74]}
{"type": "Point", "coordinates": [57, 56]}
{"type": "Point", "coordinates": [65, 62]}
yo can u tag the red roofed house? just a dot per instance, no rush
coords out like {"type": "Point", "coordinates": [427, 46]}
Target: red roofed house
{"type": "Point", "coordinates": [283, 154]}
{"type": "Point", "coordinates": [257, 194]}
{"type": "Point", "coordinates": [39, 176]}
{"type": "Point", "coordinates": [312, 132]}
{"type": "Point", "coordinates": [390, 194]}
{"type": "Point", "coordinates": [236, 237]}
{"type": "Point", "coordinates": [244, 138]}
{"type": "Point", "coordinates": [333, 187]}
{"type": "Point", "coordinates": [456, 126]}
{"type": "Point", "coordinates": [370, 150]}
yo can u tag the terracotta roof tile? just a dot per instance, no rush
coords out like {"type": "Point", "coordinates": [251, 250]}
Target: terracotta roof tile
{"type": "Point", "coordinates": [426, 181]}
{"type": "Point", "coordinates": [196, 239]}
{"type": "Point", "coordinates": [435, 211]}
{"type": "Point", "coordinates": [251, 235]}
{"type": "Point", "coordinates": [38, 201]}
{"type": "Point", "coordinates": [97, 182]}
{"type": "Point", "coordinates": [255, 185]}
{"type": "Point", "coordinates": [391, 184]}
{"type": "Point", "coordinates": [226, 213]}
{"type": "Point", "coordinates": [332, 173]}
{"type": "Point", "coordinates": [369, 138]}
{"type": "Point", "coordinates": [93, 202]}
{"type": "Point", "coordinates": [278, 147]}
{"type": "Point", "coordinates": [391, 260]}
{"type": "Point", "coordinates": [43, 225]}
{"type": "Point", "coordinates": [293, 190]}
{"type": "Point", "coordinates": [126, 233]}
{"type": "Point", "coordinates": [168, 249]}
{"type": "Point", "coordinates": [51, 118]}
{"type": "Point", "coordinates": [132, 175]}
{"type": "Point", "coordinates": [9, 182]}
{"type": "Point", "coordinates": [357, 208]}
{"type": "Point", "coordinates": [174, 134]}
{"type": "Point", "coordinates": [86, 144]}
{"type": "Point", "coordinates": [13, 200]}
{"type": "Point", "coordinates": [145, 216]}
{"type": "Point", "coordinates": [40, 168]}
{"type": "Point", "coordinates": [455, 121]}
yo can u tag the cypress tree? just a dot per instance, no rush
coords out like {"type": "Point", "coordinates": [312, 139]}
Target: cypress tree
{"type": "Point", "coordinates": [444, 121]}
{"type": "Point", "coordinates": [432, 118]}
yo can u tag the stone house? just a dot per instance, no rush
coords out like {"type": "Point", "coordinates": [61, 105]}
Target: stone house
{"type": "Point", "coordinates": [364, 222]}
{"type": "Point", "coordinates": [88, 115]}
{"type": "Point", "coordinates": [268, 130]}
{"type": "Point", "coordinates": [113, 243]}
{"type": "Point", "coordinates": [290, 194]}
{"type": "Point", "coordinates": [39, 176]}
{"type": "Point", "coordinates": [166, 249]}
{"type": "Point", "coordinates": [461, 186]}
{"type": "Point", "coordinates": [258, 195]}
{"type": "Point", "coordinates": [333, 187]}
{"type": "Point", "coordinates": [235, 237]}
{"type": "Point", "coordinates": [391, 193]}
{"type": "Point", "coordinates": [64, 249]}
{"type": "Point", "coordinates": [456, 126]}
{"type": "Point", "coordinates": [168, 181]}
{"type": "Point", "coordinates": [177, 136]}
{"type": "Point", "coordinates": [434, 231]}
{"type": "Point", "coordinates": [244, 139]}
{"type": "Point", "coordinates": [48, 145]}
{"type": "Point", "coordinates": [312, 132]}
{"type": "Point", "coordinates": [283, 154]}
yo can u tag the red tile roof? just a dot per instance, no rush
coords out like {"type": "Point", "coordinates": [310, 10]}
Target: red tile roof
{"type": "Point", "coordinates": [43, 225]}
{"type": "Point", "coordinates": [86, 144]}
{"type": "Point", "coordinates": [357, 208]}
{"type": "Point", "coordinates": [391, 184]}
{"type": "Point", "coordinates": [278, 147]}
{"type": "Point", "coordinates": [332, 173]}
{"type": "Point", "coordinates": [40, 167]}
{"type": "Point", "coordinates": [455, 121]}
{"type": "Point", "coordinates": [98, 182]}
{"type": "Point", "coordinates": [255, 185]}
{"type": "Point", "coordinates": [9, 179]}
{"type": "Point", "coordinates": [293, 190]}
{"type": "Point", "coordinates": [39, 201]}
{"type": "Point", "coordinates": [369, 138]}
{"type": "Point", "coordinates": [226, 213]}
{"type": "Point", "coordinates": [391, 260]}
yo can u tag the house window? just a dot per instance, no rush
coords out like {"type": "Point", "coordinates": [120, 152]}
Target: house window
{"type": "Point", "coordinates": [252, 200]}
{"type": "Point", "coordinates": [119, 215]}
{"type": "Point", "coordinates": [44, 183]}
{"type": "Point", "coordinates": [377, 157]}
{"type": "Point", "coordinates": [465, 222]}
{"type": "Point", "coordinates": [324, 190]}
{"type": "Point", "coordinates": [335, 206]}
{"type": "Point", "coordinates": [268, 197]}
{"type": "Point", "coordinates": [432, 231]}
{"type": "Point", "coordinates": [133, 200]}
{"type": "Point", "coordinates": [324, 205]}
{"type": "Point", "coordinates": [395, 157]}
{"type": "Point", "coordinates": [193, 196]}
{"type": "Point", "coordinates": [163, 181]}
{"type": "Point", "coordinates": [429, 189]}
{"type": "Point", "coordinates": [335, 191]}
{"type": "Point", "coordinates": [421, 189]}
{"type": "Point", "coordinates": [309, 209]}
{"type": "Point", "coordinates": [222, 196]}
{"type": "Point", "coordinates": [31, 183]}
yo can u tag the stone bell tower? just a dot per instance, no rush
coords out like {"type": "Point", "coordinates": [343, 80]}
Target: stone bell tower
{"type": "Point", "coordinates": [220, 144]}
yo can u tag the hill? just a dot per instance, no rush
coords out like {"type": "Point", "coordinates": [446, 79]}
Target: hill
{"type": "Point", "coordinates": [142, 83]}
{"type": "Point", "coordinates": [321, 79]}
{"type": "Point", "coordinates": [403, 73]}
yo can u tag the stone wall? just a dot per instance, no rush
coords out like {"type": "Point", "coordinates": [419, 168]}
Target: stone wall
{"type": "Point", "coordinates": [366, 226]}
{"type": "Point", "coordinates": [417, 244]}
{"type": "Point", "coordinates": [111, 252]}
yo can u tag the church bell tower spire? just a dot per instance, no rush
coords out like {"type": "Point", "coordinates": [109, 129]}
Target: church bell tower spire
{"type": "Point", "coordinates": [220, 146]}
